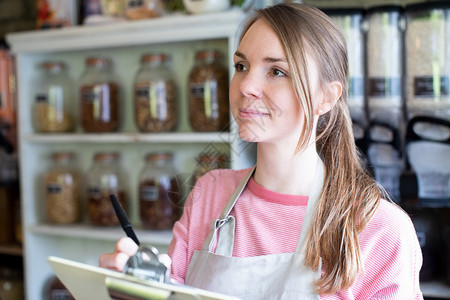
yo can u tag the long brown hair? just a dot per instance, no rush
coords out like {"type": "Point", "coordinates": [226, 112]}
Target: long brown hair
{"type": "Point", "coordinates": [350, 195]}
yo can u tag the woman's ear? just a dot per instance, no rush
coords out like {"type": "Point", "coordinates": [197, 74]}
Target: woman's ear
{"type": "Point", "coordinates": [329, 98]}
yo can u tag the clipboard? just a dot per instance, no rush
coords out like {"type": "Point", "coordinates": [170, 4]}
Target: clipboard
{"type": "Point", "coordinates": [86, 282]}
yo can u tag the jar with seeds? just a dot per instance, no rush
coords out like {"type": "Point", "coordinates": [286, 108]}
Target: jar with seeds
{"type": "Point", "coordinates": [386, 26]}
{"type": "Point", "coordinates": [208, 92]}
{"type": "Point", "coordinates": [54, 99]}
{"type": "Point", "coordinates": [155, 95]}
{"type": "Point", "coordinates": [428, 59]}
{"type": "Point", "coordinates": [105, 177]}
{"type": "Point", "coordinates": [100, 97]}
{"type": "Point", "coordinates": [159, 192]}
{"type": "Point", "coordinates": [62, 183]}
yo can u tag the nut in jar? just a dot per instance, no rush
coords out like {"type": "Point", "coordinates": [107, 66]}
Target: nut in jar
{"type": "Point", "coordinates": [54, 100]}
{"type": "Point", "coordinates": [62, 189]}
{"type": "Point", "coordinates": [105, 177]}
{"type": "Point", "coordinates": [100, 96]}
{"type": "Point", "coordinates": [208, 93]}
{"type": "Point", "coordinates": [155, 95]}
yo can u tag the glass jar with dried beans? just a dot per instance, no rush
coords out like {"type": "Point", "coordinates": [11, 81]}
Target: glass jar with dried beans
{"type": "Point", "coordinates": [105, 177]}
{"type": "Point", "coordinates": [159, 192]}
{"type": "Point", "coordinates": [208, 93]}
{"type": "Point", "coordinates": [54, 99]}
{"type": "Point", "coordinates": [100, 96]}
{"type": "Point", "coordinates": [62, 182]}
{"type": "Point", "coordinates": [155, 95]}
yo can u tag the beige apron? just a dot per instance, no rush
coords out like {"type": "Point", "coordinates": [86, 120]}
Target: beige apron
{"type": "Point", "coordinates": [273, 276]}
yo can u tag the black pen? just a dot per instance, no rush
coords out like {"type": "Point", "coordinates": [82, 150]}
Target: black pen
{"type": "Point", "coordinates": [123, 219]}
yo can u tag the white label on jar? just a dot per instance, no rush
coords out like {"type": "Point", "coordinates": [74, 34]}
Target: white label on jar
{"type": "Point", "coordinates": [207, 92]}
{"type": "Point", "coordinates": [429, 86]}
{"type": "Point", "coordinates": [157, 100]}
{"type": "Point", "coordinates": [149, 193]}
{"type": "Point", "coordinates": [54, 188]}
{"type": "Point", "coordinates": [41, 98]}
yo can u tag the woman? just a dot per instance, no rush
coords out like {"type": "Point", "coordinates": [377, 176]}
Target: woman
{"type": "Point", "coordinates": [307, 222]}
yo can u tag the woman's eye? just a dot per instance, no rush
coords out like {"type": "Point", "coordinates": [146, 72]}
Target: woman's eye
{"type": "Point", "coordinates": [277, 72]}
{"type": "Point", "coordinates": [239, 67]}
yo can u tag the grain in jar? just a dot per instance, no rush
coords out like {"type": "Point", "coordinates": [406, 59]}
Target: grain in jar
{"type": "Point", "coordinates": [349, 21]}
{"type": "Point", "coordinates": [155, 95]}
{"type": "Point", "coordinates": [384, 64]}
{"type": "Point", "coordinates": [105, 177]}
{"type": "Point", "coordinates": [100, 97]}
{"type": "Point", "coordinates": [208, 93]}
{"type": "Point", "coordinates": [428, 59]}
{"type": "Point", "coordinates": [159, 192]}
{"type": "Point", "coordinates": [54, 99]}
{"type": "Point", "coordinates": [62, 183]}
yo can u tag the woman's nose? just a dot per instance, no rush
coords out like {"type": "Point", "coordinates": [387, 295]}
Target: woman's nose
{"type": "Point", "coordinates": [251, 85]}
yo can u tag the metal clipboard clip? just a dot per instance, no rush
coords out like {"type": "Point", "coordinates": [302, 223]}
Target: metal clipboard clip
{"type": "Point", "coordinates": [145, 264]}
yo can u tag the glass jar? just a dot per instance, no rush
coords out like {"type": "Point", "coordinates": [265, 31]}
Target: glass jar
{"type": "Point", "coordinates": [208, 93]}
{"type": "Point", "coordinates": [105, 177]}
{"type": "Point", "coordinates": [155, 95]}
{"type": "Point", "coordinates": [207, 162]}
{"type": "Point", "coordinates": [54, 99]}
{"type": "Point", "coordinates": [100, 96]}
{"type": "Point", "coordinates": [143, 9]}
{"type": "Point", "coordinates": [62, 182]}
{"type": "Point", "coordinates": [428, 59]}
{"type": "Point", "coordinates": [159, 193]}
{"type": "Point", "coordinates": [384, 60]}
{"type": "Point", "coordinates": [350, 23]}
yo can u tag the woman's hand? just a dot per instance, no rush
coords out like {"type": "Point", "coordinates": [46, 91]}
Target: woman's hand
{"type": "Point", "coordinates": [124, 248]}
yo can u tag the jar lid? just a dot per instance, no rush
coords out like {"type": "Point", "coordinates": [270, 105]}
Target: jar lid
{"type": "Point", "coordinates": [90, 61]}
{"type": "Point", "coordinates": [208, 54]}
{"type": "Point", "coordinates": [106, 156]}
{"type": "Point", "coordinates": [58, 156]}
{"type": "Point", "coordinates": [154, 57]}
{"type": "Point", "coordinates": [159, 156]}
{"type": "Point", "coordinates": [50, 65]}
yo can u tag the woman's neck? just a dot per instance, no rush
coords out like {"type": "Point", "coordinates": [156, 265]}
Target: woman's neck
{"type": "Point", "coordinates": [281, 170]}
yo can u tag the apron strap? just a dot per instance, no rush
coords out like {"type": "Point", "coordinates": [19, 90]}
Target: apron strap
{"type": "Point", "coordinates": [226, 223]}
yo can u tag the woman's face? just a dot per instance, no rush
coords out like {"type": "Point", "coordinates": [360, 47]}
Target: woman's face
{"type": "Point", "coordinates": [262, 97]}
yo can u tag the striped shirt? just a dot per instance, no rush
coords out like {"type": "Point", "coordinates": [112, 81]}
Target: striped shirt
{"type": "Point", "coordinates": [269, 223]}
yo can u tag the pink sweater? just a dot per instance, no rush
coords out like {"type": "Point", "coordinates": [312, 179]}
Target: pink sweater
{"type": "Point", "coordinates": [269, 223]}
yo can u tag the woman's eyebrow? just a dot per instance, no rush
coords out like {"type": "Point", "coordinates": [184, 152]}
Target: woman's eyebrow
{"type": "Point", "coordinates": [240, 54]}
{"type": "Point", "coordinates": [266, 59]}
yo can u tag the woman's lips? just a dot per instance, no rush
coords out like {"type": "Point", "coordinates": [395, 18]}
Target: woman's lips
{"type": "Point", "coordinates": [250, 114]}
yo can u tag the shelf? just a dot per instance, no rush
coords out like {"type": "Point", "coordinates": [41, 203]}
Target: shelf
{"type": "Point", "coordinates": [173, 28]}
{"type": "Point", "coordinates": [171, 137]}
{"type": "Point", "coordinates": [435, 289]}
{"type": "Point", "coordinates": [13, 249]}
{"type": "Point", "coordinates": [111, 234]}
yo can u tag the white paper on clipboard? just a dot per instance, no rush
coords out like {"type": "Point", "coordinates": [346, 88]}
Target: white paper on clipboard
{"type": "Point", "coordinates": [86, 282]}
